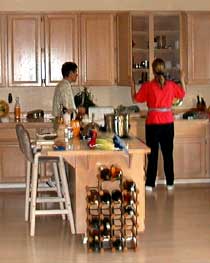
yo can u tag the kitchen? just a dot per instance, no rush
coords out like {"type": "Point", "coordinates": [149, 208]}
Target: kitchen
{"type": "Point", "coordinates": [41, 97]}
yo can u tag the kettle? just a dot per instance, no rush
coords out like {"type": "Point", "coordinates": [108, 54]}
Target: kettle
{"type": "Point", "coordinates": [118, 123]}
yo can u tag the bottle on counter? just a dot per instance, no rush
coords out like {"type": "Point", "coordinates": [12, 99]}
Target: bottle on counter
{"type": "Point", "coordinates": [17, 109]}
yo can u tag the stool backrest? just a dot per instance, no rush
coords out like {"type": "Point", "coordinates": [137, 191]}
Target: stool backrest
{"type": "Point", "coordinates": [24, 142]}
{"type": "Point", "coordinates": [19, 127]}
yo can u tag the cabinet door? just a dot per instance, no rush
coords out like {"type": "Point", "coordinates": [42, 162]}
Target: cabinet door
{"type": "Point", "coordinates": [2, 51]}
{"type": "Point", "coordinates": [12, 164]}
{"type": "Point", "coordinates": [61, 43]}
{"type": "Point", "coordinates": [24, 50]}
{"type": "Point", "coordinates": [186, 151]}
{"type": "Point", "coordinates": [97, 49]}
{"type": "Point", "coordinates": [124, 49]}
{"type": "Point", "coordinates": [199, 48]}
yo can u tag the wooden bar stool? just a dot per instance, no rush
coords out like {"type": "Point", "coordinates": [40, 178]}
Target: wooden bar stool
{"type": "Point", "coordinates": [34, 159]}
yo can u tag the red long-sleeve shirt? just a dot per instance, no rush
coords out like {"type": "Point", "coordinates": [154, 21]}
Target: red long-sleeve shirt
{"type": "Point", "coordinates": [158, 97]}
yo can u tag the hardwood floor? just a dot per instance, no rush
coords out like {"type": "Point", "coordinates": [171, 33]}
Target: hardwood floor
{"type": "Point", "coordinates": [177, 231]}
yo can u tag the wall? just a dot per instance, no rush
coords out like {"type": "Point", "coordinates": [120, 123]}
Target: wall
{"type": "Point", "coordinates": [32, 98]}
{"type": "Point", "coordinates": [38, 5]}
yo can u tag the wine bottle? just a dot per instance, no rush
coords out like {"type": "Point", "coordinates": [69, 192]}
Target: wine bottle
{"type": "Point", "coordinates": [94, 243]}
{"type": "Point", "coordinates": [116, 196]}
{"type": "Point", "coordinates": [116, 173]}
{"type": "Point", "coordinates": [117, 244]}
{"type": "Point", "coordinates": [92, 197]}
{"type": "Point", "coordinates": [105, 197]}
{"type": "Point", "coordinates": [104, 173]}
{"type": "Point", "coordinates": [94, 227]}
{"type": "Point", "coordinates": [129, 185]}
{"type": "Point", "coordinates": [128, 198]}
{"type": "Point", "coordinates": [129, 210]}
{"type": "Point", "coordinates": [105, 227]}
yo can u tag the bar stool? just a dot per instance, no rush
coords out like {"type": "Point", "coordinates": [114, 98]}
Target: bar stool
{"type": "Point", "coordinates": [34, 159]}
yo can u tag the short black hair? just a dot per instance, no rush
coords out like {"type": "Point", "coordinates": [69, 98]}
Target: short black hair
{"type": "Point", "coordinates": [67, 67]}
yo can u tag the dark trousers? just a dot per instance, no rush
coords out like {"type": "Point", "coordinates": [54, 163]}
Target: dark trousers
{"type": "Point", "coordinates": [163, 136]}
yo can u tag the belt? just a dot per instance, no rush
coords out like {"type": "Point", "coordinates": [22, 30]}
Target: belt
{"type": "Point", "coordinates": [159, 109]}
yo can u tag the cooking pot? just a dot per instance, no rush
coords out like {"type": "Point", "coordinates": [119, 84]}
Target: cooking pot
{"type": "Point", "coordinates": [118, 123]}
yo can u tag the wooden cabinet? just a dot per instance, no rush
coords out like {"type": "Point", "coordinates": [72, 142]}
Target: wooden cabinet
{"type": "Point", "coordinates": [153, 35]}
{"type": "Point", "coordinates": [24, 50]}
{"type": "Point", "coordinates": [198, 47]}
{"type": "Point", "coordinates": [12, 164]}
{"type": "Point", "coordinates": [97, 49]}
{"type": "Point", "coordinates": [12, 160]}
{"type": "Point", "coordinates": [124, 49]}
{"type": "Point", "coordinates": [2, 51]}
{"type": "Point", "coordinates": [61, 45]}
{"type": "Point", "coordinates": [191, 148]}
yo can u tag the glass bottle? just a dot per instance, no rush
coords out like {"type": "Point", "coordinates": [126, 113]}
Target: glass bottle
{"type": "Point", "coordinates": [129, 185]}
{"type": "Point", "coordinates": [104, 173]}
{"type": "Point", "coordinates": [116, 172]}
{"type": "Point", "coordinates": [105, 197]}
{"type": "Point", "coordinates": [17, 109]}
{"type": "Point", "coordinates": [92, 197]}
{"type": "Point", "coordinates": [116, 196]}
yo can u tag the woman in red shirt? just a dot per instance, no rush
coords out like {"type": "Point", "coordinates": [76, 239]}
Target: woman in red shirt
{"type": "Point", "coordinates": [159, 94]}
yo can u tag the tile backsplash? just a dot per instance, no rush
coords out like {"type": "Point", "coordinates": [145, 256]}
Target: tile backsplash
{"type": "Point", "coordinates": [41, 98]}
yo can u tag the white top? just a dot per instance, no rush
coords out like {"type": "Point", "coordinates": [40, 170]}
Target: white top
{"type": "Point", "coordinates": [63, 95]}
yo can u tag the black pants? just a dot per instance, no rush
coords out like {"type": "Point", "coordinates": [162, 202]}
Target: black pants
{"type": "Point", "coordinates": [163, 136]}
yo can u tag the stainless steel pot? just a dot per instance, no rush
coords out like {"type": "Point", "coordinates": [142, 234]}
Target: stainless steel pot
{"type": "Point", "coordinates": [117, 123]}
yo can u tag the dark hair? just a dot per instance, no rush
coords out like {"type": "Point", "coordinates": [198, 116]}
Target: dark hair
{"type": "Point", "coordinates": [67, 67]}
{"type": "Point", "coordinates": [158, 67]}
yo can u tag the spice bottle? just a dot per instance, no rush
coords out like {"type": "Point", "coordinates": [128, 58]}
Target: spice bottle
{"type": "Point", "coordinates": [17, 109]}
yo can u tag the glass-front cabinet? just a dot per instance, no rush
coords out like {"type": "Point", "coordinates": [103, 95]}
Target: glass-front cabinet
{"type": "Point", "coordinates": [167, 43]}
{"type": "Point", "coordinates": [155, 35]}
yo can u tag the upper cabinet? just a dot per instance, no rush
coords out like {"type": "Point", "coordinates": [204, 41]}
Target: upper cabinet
{"type": "Point", "coordinates": [97, 49]}
{"type": "Point", "coordinates": [24, 50]}
{"type": "Point", "coordinates": [198, 47]}
{"type": "Point", "coordinates": [2, 51]}
{"type": "Point", "coordinates": [61, 44]}
{"type": "Point", "coordinates": [39, 44]}
{"type": "Point", "coordinates": [142, 37]}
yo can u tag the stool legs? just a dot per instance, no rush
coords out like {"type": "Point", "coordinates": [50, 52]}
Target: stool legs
{"type": "Point", "coordinates": [34, 193]}
{"type": "Point", "coordinates": [66, 194]}
{"type": "Point", "coordinates": [27, 194]}
{"type": "Point", "coordinates": [59, 193]}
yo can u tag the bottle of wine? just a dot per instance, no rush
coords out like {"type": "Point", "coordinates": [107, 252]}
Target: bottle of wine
{"type": "Point", "coordinates": [129, 185]}
{"type": "Point", "coordinates": [17, 110]}
{"type": "Point", "coordinates": [94, 243]}
{"type": "Point", "coordinates": [104, 173]}
{"type": "Point", "coordinates": [116, 172]}
{"type": "Point", "coordinates": [129, 210]}
{"type": "Point", "coordinates": [105, 227]}
{"type": "Point", "coordinates": [92, 197]}
{"type": "Point", "coordinates": [116, 196]}
{"type": "Point", "coordinates": [94, 227]}
{"type": "Point", "coordinates": [117, 244]}
{"type": "Point", "coordinates": [105, 197]}
{"type": "Point", "coordinates": [128, 198]}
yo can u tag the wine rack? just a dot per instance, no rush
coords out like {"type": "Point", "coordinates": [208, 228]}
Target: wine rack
{"type": "Point", "coordinates": [112, 212]}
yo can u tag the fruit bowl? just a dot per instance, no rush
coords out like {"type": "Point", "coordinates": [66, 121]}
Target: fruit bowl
{"type": "Point", "coordinates": [4, 108]}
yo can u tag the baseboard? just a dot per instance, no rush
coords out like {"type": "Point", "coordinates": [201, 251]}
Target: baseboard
{"type": "Point", "coordinates": [186, 181]}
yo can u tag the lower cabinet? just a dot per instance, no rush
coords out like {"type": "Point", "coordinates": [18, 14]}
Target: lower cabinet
{"type": "Point", "coordinates": [191, 148]}
{"type": "Point", "coordinates": [12, 160]}
{"type": "Point", "coordinates": [12, 164]}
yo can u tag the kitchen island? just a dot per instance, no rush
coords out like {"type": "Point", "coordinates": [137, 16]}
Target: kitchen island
{"type": "Point", "coordinates": [83, 164]}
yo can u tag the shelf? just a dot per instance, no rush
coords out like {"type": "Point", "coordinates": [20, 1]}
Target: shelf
{"type": "Point", "coordinates": [140, 50]}
{"type": "Point", "coordinates": [166, 50]}
{"type": "Point", "coordinates": [140, 33]}
{"type": "Point", "coordinates": [140, 69]}
{"type": "Point", "coordinates": [166, 32]}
